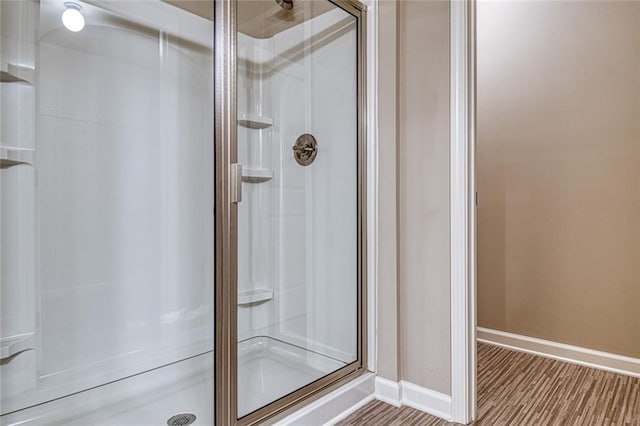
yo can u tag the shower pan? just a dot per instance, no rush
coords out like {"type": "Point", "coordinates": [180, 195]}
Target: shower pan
{"type": "Point", "coordinates": [182, 208]}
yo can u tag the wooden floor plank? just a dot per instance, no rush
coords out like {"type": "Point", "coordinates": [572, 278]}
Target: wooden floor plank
{"type": "Point", "coordinates": [516, 388]}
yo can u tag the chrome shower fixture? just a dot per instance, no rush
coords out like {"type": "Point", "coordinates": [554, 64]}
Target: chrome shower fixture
{"type": "Point", "coordinates": [285, 4]}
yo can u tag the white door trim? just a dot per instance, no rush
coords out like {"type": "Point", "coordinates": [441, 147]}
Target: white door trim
{"type": "Point", "coordinates": [372, 184]}
{"type": "Point", "coordinates": [463, 223]}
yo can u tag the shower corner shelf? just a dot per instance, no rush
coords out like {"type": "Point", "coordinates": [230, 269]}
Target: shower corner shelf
{"type": "Point", "coordinates": [254, 121]}
{"type": "Point", "coordinates": [250, 175]}
{"type": "Point", "coordinates": [12, 345]}
{"type": "Point", "coordinates": [10, 156]}
{"type": "Point", "coordinates": [11, 73]}
{"type": "Point", "coordinates": [254, 296]}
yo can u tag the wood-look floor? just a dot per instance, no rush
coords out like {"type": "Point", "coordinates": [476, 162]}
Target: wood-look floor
{"type": "Point", "coordinates": [516, 388]}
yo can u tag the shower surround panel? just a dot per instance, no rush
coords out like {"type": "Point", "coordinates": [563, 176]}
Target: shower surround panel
{"type": "Point", "coordinates": [123, 207]}
{"type": "Point", "coordinates": [298, 231]}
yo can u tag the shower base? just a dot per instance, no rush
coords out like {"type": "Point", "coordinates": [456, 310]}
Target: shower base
{"type": "Point", "coordinates": [267, 368]}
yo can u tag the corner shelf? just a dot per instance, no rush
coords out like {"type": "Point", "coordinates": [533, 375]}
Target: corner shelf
{"type": "Point", "coordinates": [254, 121]}
{"type": "Point", "coordinates": [13, 345]}
{"type": "Point", "coordinates": [11, 73]}
{"type": "Point", "coordinates": [254, 296]}
{"type": "Point", "coordinates": [256, 175]}
{"type": "Point", "coordinates": [10, 156]}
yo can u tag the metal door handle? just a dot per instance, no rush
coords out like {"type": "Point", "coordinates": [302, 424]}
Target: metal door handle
{"type": "Point", "coordinates": [235, 178]}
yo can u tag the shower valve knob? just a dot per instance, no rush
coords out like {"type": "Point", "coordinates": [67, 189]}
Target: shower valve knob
{"type": "Point", "coordinates": [305, 150]}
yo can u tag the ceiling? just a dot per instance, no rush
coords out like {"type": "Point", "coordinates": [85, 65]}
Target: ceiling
{"type": "Point", "coordinates": [202, 8]}
{"type": "Point", "coordinates": [261, 18]}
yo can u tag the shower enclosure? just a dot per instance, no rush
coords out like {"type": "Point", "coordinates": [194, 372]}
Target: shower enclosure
{"type": "Point", "coordinates": [182, 221]}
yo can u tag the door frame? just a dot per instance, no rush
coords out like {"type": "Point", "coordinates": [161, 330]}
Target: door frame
{"type": "Point", "coordinates": [228, 194]}
{"type": "Point", "coordinates": [226, 213]}
{"type": "Point", "coordinates": [463, 199]}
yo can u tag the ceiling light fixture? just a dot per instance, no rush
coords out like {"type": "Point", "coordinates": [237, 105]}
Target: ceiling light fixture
{"type": "Point", "coordinates": [72, 17]}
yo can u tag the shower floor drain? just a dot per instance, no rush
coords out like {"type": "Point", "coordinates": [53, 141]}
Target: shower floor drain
{"type": "Point", "coordinates": [182, 419]}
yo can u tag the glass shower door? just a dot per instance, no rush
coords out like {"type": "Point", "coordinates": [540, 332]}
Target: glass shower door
{"type": "Point", "coordinates": [300, 236]}
{"type": "Point", "coordinates": [106, 211]}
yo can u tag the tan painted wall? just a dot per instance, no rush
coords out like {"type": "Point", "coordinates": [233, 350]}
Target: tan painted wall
{"type": "Point", "coordinates": [388, 347]}
{"type": "Point", "coordinates": [423, 191]}
{"type": "Point", "coordinates": [559, 171]}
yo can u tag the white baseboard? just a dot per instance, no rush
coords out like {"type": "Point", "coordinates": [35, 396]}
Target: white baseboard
{"type": "Point", "coordinates": [409, 394]}
{"type": "Point", "coordinates": [426, 400]}
{"type": "Point", "coordinates": [336, 405]}
{"type": "Point", "coordinates": [388, 391]}
{"type": "Point", "coordinates": [562, 352]}
{"type": "Point", "coordinates": [342, 402]}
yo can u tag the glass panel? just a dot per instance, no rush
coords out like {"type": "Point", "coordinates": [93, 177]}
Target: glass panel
{"type": "Point", "coordinates": [298, 226]}
{"type": "Point", "coordinates": [107, 196]}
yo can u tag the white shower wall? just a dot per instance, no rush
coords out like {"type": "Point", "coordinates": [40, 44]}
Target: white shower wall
{"type": "Point", "coordinates": [18, 38]}
{"type": "Point", "coordinates": [309, 85]}
{"type": "Point", "coordinates": [124, 200]}
{"type": "Point", "coordinates": [125, 163]}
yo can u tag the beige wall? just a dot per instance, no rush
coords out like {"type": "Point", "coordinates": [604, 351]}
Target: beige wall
{"type": "Point", "coordinates": [559, 171]}
{"type": "Point", "coordinates": [423, 193]}
{"type": "Point", "coordinates": [388, 347]}
{"type": "Point", "coordinates": [413, 214]}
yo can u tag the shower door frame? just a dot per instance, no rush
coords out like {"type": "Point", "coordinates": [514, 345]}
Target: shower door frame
{"type": "Point", "coordinates": [228, 194]}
